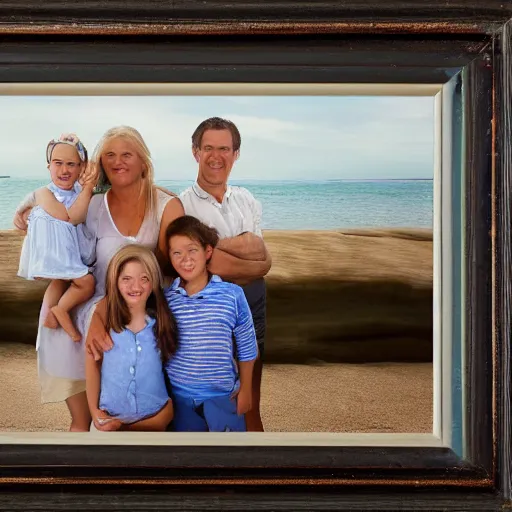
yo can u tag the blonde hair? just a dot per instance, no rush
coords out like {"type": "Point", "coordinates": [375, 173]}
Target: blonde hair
{"type": "Point", "coordinates": [133, 137]}
{"type": "Point", "coordinates": [118, 314]}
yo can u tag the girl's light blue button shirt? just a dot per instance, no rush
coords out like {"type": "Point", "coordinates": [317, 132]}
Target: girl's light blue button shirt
{"type": "Point", "coordinates": [132, 378]}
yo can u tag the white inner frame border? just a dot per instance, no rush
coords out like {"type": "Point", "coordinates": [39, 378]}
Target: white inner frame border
{"type": "Point", "coordinates": [442, 259]}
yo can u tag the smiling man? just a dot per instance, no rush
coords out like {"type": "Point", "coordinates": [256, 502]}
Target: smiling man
{"type": "Point", "coordinates": [241, 256]}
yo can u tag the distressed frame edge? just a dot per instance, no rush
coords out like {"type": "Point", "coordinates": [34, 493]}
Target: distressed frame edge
{"type": "Point", "coordinates": [493, 496]}
{"type": "Point", "coordinates": [248, 28]}
{"type": "Point", "coordinates": [483, 482]}
{"type": "Point", "coordinates": [502, 253]}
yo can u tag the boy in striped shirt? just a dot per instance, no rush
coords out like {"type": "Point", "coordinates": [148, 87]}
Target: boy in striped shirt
{"type": "Point", "coordinates": [210, 391]}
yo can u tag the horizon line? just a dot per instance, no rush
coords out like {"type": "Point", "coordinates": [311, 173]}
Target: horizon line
{"type": "Point", "coordinates": [260, 179]}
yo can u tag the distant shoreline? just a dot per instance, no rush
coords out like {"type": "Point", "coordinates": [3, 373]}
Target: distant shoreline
{"type": "Point", "coordinates": [255, 180]}
{"type": "Point", "coordinates": [378, 179]}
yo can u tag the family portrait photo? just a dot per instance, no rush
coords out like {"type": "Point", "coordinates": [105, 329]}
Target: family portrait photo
{"type": "Point", "coordinates": [217, 264]}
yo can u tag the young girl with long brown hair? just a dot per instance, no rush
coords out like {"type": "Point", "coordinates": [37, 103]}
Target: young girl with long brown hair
{"type": "Point", "coordinates": [126, 389]}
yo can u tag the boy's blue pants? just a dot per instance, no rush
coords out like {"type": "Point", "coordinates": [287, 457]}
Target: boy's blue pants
{"type": "Point", "coordinates": [217, 414]}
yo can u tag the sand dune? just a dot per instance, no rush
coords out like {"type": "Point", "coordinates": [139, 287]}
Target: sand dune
{"type": "Point", "coordinates": [350, 296]}
{"type": "Point", "coordinates": [335, 296]}
{"type": "Point", "coordinates": [355, 256]}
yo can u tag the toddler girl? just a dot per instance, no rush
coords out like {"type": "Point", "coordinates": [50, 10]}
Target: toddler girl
{"type": "Point", "coordinates": [50, 249]}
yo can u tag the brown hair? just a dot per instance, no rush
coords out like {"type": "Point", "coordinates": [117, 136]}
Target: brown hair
{"type": "Point", "coordinates": [118, 314]}
{"type": "Point", "coordinates": [216, 123]}
{"type": "Point", "coordinates": [135, 138]}
{"type": "Point", "coordinates": [192, 228]}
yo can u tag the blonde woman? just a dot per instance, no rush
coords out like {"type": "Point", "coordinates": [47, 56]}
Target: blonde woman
{"type": "Point", "coordinates": [126, 389]}
{"type": "Point", "coordinates": [131, 210]}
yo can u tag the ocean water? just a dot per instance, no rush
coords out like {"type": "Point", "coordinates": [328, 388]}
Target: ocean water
{"type": "Point", "coordinates": [332, 204]}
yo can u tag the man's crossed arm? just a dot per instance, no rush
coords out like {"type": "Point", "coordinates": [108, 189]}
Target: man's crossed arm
{"type": "Point", "coordinates": [241, 259]}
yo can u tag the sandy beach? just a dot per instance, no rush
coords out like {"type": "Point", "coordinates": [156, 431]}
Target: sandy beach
{"type": "Point", "coordinates": [349, 339]}
{"type": "Point", "coordinates": [382, 397]}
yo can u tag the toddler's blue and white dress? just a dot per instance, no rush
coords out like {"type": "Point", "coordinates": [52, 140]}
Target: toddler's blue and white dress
{"type": "Point", "coordinates": [50, 249]}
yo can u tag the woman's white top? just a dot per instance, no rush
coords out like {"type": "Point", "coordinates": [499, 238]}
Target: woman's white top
{"type": "Point", "coordinates": [58, 356]}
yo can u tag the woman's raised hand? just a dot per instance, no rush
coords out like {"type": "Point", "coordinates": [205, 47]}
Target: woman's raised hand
{"type": "Point", "coordinates": [23, 211]}
{"type": "Point", "coordinates": [20, 220]}
{"type": "Point", "coordinates": [98, 339]}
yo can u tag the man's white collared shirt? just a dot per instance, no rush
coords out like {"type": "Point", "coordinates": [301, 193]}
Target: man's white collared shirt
{"type": "Point", "coordinates": [239, 211]}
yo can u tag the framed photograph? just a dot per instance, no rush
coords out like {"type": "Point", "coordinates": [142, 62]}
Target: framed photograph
{"type": "Point", "coordinates": [376, 142]}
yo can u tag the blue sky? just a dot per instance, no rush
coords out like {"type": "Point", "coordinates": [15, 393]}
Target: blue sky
{"type": "Point", "coordinates": [286, 137]}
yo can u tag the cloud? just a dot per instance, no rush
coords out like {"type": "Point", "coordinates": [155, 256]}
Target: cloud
{"type": "Point", "coordinates": [282, 137]}
{"type": "Point", "coordinates": [266, 128]}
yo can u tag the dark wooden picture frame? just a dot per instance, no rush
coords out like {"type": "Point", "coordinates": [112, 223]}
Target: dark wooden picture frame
{"type": "Point", "coordinates": [421, 41]}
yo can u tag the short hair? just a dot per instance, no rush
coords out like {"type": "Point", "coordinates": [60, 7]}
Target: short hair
{"type": "Point", "coordinates": [192, 228]}
{"type": "Point", "coordinates": [216, 123]}
{"type": "Point", "coordinates": [118, 314]}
